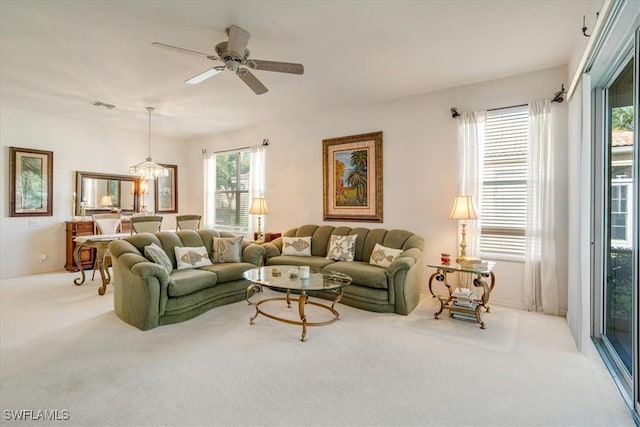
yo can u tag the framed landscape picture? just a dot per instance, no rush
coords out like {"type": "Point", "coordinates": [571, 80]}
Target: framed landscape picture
{"type": "Point", "coordinates": [166, 188]}
{"type": "Point", "coordinates": [30, 182]}
{"type": "Point", "coordinates": [352, 178]}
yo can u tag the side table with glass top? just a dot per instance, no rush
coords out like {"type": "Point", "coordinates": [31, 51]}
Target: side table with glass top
{"type": "Point", "coordinates": [278, 277]}
{"type": "Point", "coordinates": [448, 302]}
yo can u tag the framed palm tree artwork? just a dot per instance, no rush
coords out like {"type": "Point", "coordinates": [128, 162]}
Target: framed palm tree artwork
{"type": "Point", "coordinates": [352, 178]}
{"type": "Point", "coordinates": [30, 182]}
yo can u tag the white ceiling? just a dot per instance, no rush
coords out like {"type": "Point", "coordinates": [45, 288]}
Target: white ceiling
{"type": "Point", "coordinates": [60, 56]}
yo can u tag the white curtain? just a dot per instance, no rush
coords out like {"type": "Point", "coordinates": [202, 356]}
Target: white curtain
{"type": "Point", "coordinates": [540, 280]}
{"type": "Point", "coordinates": [471, 135]}
{"type": "Point", "coordinates": [209, 169]}
{"type": "Point", "coordinates": [256, 184]}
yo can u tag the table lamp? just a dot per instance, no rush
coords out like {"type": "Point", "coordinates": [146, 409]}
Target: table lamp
{"type": "Point", "coordinates": [463, 209]}
{"type": "Point", "coordinates": [106, 202]}
{"type": "Point", "coordinates": [259, 207]}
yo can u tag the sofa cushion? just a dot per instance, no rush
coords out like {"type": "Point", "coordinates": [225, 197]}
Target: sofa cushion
{"type": "Point", "coordinates": [229, 271]}
{"type": "Point", "coordinates": [296, 246]}
{"type": "Point", "coordinates": [157, 255]}
{"type": "Point", "coordinates": [226, 249]}
{"type": "Point", "coordinates": [362, 273]}
{"type": "Point", "coordinates": [191, 257]}
{"type": "Point", "coordinates": [185, 282]}
{"type": "Point", "coordinates": [342, 248]}
{"type": "Point", "coordinates": [383, 256]}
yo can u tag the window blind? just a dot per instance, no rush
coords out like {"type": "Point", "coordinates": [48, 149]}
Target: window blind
{"type": "Point", "coordinates": [233, 172]}
{"type": "Point", "coordinates": [504, 182]}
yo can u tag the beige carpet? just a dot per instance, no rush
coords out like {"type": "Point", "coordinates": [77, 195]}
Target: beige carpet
{"type": "Point", "coordinates": [63, 348]}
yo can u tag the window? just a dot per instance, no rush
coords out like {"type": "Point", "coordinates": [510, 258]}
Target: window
{"type": "Point", "coordinates": [232, 190]}
{"type": "Point", "coordinates": [504, 183]}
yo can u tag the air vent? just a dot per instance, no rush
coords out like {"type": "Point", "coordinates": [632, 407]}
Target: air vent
{"type": "Point", "coordinates": [103, 105]}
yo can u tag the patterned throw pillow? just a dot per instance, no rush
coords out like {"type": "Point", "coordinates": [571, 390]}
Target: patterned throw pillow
{"type": "Point", "coordinates": [158, 255]}
{"type": "Point", "coordinates": [383, 256]}
{"type": "Point", "coordinates": [191, 257]}
{"type": "Point", "coordinates": [342, 248]}
{"type": "Point", "coordinates": [297, 246]}
{"type": "Point", "coordinates": [226, 249]}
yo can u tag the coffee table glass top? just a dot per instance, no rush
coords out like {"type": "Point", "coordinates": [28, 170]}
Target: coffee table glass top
{"type": "Point", "coordinates": [278, 276]}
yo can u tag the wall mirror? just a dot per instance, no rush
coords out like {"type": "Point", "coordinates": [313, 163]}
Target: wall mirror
{"type": "Point", "coordinates": [103, 193]}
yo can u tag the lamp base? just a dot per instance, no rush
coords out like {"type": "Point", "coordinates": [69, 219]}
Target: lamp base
{"type": "Point", "coordinates": [468, 260]}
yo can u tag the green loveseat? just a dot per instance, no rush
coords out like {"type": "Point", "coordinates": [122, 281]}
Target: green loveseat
{"type": "Point", "coordinates": [146, 296]}
{"type": "Point", "coordinates": [392, 289]}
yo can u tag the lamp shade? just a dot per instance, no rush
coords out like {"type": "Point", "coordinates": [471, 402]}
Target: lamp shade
{"type": "Point", "coordinates": [463, 208]}
{"type": "Point", "coordinates": [259, 206]}
{"type": "Point", "coordinates": [106, 201]}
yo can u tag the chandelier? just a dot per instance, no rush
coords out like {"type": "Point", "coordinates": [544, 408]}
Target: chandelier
{"type": "Point", "coordinates": [148, 169]}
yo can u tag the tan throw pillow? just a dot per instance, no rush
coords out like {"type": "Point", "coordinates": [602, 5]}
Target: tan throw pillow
{"type": "Point", "coordinates": [226, 249]}
{"type": "Point", "coordinates": [158, 255]}
{"type": "Point", "coordinates": [383, 256]}
{"type": "Point", "coordinates": [297, 246]}
{"type": "Point", "coordinates": [191, 257]}
{"type": "Point", "coordinates": [342, 248]}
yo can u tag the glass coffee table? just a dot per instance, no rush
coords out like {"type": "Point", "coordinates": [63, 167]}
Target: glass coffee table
{"type": "Point", "coordinates": [288, 278]}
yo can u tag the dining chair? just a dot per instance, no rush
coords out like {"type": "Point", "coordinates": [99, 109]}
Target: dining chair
{"type": "Point", "coordinates": [188, 222]}
{"type": "Point", "coordinates": [146, 224]}
{"type": "Point", "coordinates": [105, 224]}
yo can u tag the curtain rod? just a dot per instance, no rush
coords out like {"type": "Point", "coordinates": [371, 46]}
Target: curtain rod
{"type": "Point", "coordinates": [265, 142]}
{"type": "Point", "coordinates": [557, 97]}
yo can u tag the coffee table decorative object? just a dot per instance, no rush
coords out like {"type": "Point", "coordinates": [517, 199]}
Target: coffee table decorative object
{"type": "Point", "coordinates": [290, 278]}
{"type": "Point", "coordinates": [461, 302]}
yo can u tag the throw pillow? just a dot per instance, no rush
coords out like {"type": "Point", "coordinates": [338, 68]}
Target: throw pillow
{"type": "Point", "coordinates": [342, 248]}
{"type": "Point", "coordinates": [191, 257]}
{"type": "Point", "coordinates": [158, 255]}
{"type": "Point", "coordinates": [226, 249]}
{"type": "Point", "coordinates": [297, 246]}
{"type": "Point", "coordinates": [383, 256]}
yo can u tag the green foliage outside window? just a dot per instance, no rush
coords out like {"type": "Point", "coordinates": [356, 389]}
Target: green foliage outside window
{"type": "Point", "coordinates": [232, 189]}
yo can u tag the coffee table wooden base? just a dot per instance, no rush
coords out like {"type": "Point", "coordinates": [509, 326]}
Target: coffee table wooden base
{"type": "Point", "coordinates": [302, 300]}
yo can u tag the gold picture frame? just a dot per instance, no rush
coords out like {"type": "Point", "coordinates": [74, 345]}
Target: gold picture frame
{"type": "Point", "coordinates": [30, 182]}
{"type": "Point", "coordinates": [166, 191]}
{"type": "Point", "coordinates": [352, 178]}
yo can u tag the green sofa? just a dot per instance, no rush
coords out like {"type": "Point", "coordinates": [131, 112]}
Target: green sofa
{"type": "Point", "coordinates": [146, 296]}
{"type": "Point", "coordinates": [392, 289]}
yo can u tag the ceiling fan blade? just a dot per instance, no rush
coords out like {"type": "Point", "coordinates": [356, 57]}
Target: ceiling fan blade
{"type": "Point", "coordinates": [281, 67]}
{"type": "Point", "coordinates": [204, 75]}
{"type": "Point", "coordinates": [238, 39]}
{"type": "Point", "coordinates": [183, 50]}
{"type": "Point", "coordinates": [250, 80]}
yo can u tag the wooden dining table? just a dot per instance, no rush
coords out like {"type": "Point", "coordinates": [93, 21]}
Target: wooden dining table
{"type": "Point", "coordinates": [100, 242]}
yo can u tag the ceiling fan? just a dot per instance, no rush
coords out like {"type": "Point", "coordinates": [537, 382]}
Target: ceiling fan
{"type": "Point", "coordinates": [235, 56]}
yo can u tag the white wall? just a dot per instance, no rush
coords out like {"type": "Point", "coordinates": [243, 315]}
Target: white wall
{"type": "Point", "coordinates": [419, 165]}
{"type": "Point", "coordinates": [76, 145]}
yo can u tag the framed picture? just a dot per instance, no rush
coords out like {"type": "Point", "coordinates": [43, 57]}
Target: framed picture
{"type": "Point", "coordinates": [352, 178]}
{"type": "Point", "coordinates": [30, 182]}
{"type": "Point", "coordinates": [167, 191]}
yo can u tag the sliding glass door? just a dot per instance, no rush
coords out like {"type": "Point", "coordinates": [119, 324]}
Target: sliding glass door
{"type": "Point", "coordinates": [616, 202]}
{"type": "Point", "coordinates": [620, 207]}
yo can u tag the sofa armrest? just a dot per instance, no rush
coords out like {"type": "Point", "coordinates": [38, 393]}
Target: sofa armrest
{"type": "Point", "coordinates": [253, 253]}
{"type": "Point", "coordinates": [271, 249]}
{"type": "Point", "coordinates": [404, 281]}
{"type": "Point", "coordinates": [140, 291]}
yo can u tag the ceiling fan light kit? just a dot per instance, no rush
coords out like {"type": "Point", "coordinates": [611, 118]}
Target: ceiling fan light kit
{"type": "Point", "coordinates": [235, 55]}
